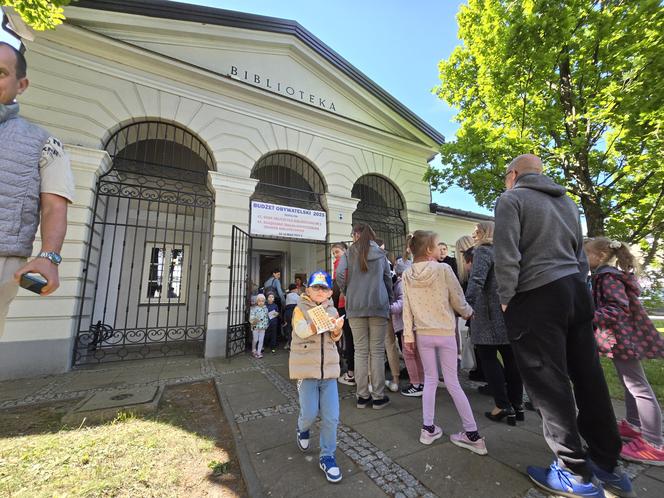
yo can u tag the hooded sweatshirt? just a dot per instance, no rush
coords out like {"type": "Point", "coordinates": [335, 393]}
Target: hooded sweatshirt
{"type": "Point", "coordinates": [622, 327]}
{"type": "Point", "coordinates": [537, 237]}
{"type": "Point", "coordinates": [432, 294]}
{"type": "Point", "coordinates": [367, 293]}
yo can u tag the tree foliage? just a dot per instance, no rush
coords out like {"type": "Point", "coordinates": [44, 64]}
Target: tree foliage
{"type": "Point", "coordinates": [39, 14]}
{"type": "Point", "coordinates": [578, 82]}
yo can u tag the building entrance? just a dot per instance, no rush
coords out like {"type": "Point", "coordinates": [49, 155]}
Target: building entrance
{"type": "Point", "coordinates": [253, 259]}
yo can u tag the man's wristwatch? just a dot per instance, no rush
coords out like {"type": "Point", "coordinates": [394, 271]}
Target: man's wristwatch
{"type": "Point", "coordinates": [53, 257]}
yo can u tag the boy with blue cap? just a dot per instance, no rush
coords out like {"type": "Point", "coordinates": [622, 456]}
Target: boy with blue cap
{"type": "Point", "coordinates": [314, 362]}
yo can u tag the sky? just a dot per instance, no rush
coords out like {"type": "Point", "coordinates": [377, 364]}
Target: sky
{"type": "Point", "coordinates": [396, 43]}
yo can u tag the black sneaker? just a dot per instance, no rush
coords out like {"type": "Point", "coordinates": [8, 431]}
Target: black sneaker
{"type": "Point", "coordinates": [412, 390]}
{"type": "Point", "coordinates": [381, 403]}
{"type": "Point", "coordinates": [363, 402]}
{"type": "Point", "coordinates": [484, 390]}
{"type": "Point", "coordinates": [476, 376]}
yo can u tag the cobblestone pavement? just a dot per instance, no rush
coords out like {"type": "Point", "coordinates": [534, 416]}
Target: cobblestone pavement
{"type": "Point", "coordinates": [379, 450]}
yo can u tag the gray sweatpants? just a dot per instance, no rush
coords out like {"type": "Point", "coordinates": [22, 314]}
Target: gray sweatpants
{"type": "Point", "coordinates": [640, 401]}
{"type": "Point", "coordinates": [369, 339]}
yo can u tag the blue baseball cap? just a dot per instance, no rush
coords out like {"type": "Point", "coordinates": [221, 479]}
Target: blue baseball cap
{"type": "Point", "coordinates": [321, 278]}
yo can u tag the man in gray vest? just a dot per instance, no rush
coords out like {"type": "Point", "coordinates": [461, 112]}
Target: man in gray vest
{"type": "Point", "coordinates": [36, 186]}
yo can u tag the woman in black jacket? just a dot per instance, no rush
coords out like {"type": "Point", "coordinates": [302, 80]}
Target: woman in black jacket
{"type": "Point", "coordinates": [489, 333]}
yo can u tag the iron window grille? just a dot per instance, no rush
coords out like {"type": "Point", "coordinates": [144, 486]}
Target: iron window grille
{"type": "Point", "coordinates": [290, 180]}
{"type": "Point", "coordinates": [381, 206]}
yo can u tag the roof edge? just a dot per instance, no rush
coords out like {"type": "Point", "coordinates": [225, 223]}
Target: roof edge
{"type": "Point", "coordinates": [458, 213]}
{"type": "Point", "coordinates": [178, 11]}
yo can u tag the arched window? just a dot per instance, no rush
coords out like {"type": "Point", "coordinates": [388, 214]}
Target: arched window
{"type": "Point", "coordinates": [288, 179]}
{"type": "Point", "coordinates": [381, 206]}
{"type": "Point", "coordinates": [161, 150]}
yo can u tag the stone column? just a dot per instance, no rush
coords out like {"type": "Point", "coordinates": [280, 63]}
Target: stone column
{"type": "Point", "coordinates": [232, 200]}
{"type": "Point", "coordinates": [40, 331]}
{"type": "Point", "coordinates": [340, 216]}
{"type": "Point", "coordinates": [421, 221]}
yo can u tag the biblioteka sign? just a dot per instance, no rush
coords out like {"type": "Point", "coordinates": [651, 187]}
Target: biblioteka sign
{"type": "Point", "coordinates": [273, 220]}
{"type": "Point", "coordinates": [282, 88]}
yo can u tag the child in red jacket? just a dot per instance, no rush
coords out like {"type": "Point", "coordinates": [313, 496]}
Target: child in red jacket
{"type": "Point", "coordinates": [625, 334]}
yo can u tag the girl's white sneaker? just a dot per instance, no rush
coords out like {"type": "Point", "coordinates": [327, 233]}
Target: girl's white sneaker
{"type": "Point", "coordinates": [427, 437]}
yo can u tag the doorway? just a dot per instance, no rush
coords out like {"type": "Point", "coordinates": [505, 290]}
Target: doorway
{"type": "Point", "coordinates": [267, 264]}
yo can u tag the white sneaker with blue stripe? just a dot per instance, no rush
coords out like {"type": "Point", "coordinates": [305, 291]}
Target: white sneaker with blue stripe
{"type": "Point", "coordinates": [328, 464]}
{"type": "Point", "coordinates": [303, 440]}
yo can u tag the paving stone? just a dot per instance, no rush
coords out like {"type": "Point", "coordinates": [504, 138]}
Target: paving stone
{"type": "Point", "coordinates": [647, 487]}
{"type": "Point", "coordinates": [250, 401]}
{"type": "Point", "coordinates": [106, 405]}
{"type": "Point", "coordinates": [352, 485]}
{"type": "Point", "coordinates": [397, 435]}
{"type": "Point", "coordinates": [23, 388]}
{"type": "Point", "coordinates": [452, 471]}
{"type": "Point", "coordinates": [257, 384]}
{"type": "Point", "coordinates": [242, 377]}
{"type": "Point", "coordinates": [655, 473]}
{"type": "Point", "coordinates": [516, 447]}
{"type": "Point", "coordinates": [286, 471]}
{"type": "Point", "coordinates": [266, 433]}
{"type": "Point", "coordinates": [349, 414]}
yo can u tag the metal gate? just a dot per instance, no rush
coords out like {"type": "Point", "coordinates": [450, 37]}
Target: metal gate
{"type": "Point", "coordinates": [381, 206]}
{"type": "Point", "coordinates": [145, 291]}
{"type": "Point", "coordinates": [239, 292]}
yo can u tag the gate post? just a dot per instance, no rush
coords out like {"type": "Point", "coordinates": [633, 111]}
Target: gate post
{"type": "Point", "coordinates": [232, 200]}
{"type": "Point", "coordinates": [40, 331]}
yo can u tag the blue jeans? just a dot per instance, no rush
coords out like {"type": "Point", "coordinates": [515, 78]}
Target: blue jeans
{"type": "Point", "coordinates": [316, 393]}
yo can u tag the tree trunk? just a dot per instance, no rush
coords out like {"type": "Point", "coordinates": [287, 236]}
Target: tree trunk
{"type": "Point", "coordinates": [594, 217]}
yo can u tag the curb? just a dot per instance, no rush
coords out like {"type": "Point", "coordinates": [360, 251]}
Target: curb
{"type": "Point", "coordinates": [251, 481]}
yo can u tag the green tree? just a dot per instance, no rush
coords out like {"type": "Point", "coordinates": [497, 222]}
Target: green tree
{"type": "Point", "coordinates": [578, 82]}
{"type": "Point", "coordinates": [39, 14]}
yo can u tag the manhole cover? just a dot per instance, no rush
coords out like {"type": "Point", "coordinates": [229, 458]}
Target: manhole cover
{"type": "Point", "coordinates": [120, 397]}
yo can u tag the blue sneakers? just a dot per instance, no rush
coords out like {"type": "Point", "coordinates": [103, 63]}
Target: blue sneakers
{"type": "Point", "coordinates": [561, 482]}
{"type": "Point", "coordinates": [332, 471]}
{"type": "Point", "coordinates": [303, 440]}
{"type": "Point", "coordinates": [615, 482]}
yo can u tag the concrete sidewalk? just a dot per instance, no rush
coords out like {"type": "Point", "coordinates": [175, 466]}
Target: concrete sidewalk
{"type": "Point", "coordinates": [379, 450]}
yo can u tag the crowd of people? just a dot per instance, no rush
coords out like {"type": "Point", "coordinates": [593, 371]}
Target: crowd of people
{"type": "Point", "coordinates": [540, 303]}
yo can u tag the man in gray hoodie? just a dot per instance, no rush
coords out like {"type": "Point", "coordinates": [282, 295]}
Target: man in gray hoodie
{"type": "Point", "coordinates": [541, 273]}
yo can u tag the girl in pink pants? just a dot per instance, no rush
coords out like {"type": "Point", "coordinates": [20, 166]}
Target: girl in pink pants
{"type": "Point", "coordinates": [432, 295]}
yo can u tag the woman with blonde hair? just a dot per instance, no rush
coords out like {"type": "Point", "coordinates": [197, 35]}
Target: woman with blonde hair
{"type": "Point", "coordinates": [489, 332]}
{"type": "Point", "coordinates": [462, 245]}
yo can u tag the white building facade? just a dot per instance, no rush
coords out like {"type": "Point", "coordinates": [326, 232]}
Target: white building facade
{"type": "Point", "coordinates": [209, 147]}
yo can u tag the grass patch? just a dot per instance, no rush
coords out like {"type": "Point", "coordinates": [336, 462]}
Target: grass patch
{"type": "Point", "coordinates": [660, 325]}
{"type": "Point", "coordinates": [654, 370]}
{"type": "Point", "coordinates": [164, 455]}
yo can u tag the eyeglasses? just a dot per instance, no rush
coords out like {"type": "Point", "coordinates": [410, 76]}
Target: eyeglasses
{"type": "Point", "coordinates": [507, 173]}
{"type": "Point", "coordinates": [319, 288]}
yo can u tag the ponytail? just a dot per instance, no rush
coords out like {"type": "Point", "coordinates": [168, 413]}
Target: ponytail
{"type": "Point", "coordinates": [406, 249]}
{"type": "Point", "coordinates": [609, 249]}
{"type": "Point", "coordinates": [361, 247]}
